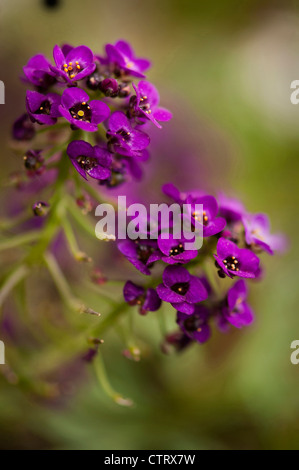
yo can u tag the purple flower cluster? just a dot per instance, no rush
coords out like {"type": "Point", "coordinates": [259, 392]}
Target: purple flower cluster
{"type": "Point", "coordinates": [94, 94]}
{"type": "Point", "coordinates": [232, 241]}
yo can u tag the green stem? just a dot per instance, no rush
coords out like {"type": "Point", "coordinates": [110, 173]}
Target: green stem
{"type": "Point", "coordinates": [18, 240]}
{"type": "Point", "coordinates": [72, 242]}
{"type": "Point", "coordinates": [84, 222]}
{"type": "Point", "coordinates": [11, 281]}
{"type": "Point", "coordinates": [6, 224]}
{"type": "Point", "coordinates": [102, 377]}
{"type": "Point", "coordinates": [63, 287]}
{"type": "Point", "coordinates": [51, 359]}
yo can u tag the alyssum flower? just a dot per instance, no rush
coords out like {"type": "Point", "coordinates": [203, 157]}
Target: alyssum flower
{"type": "Point", "coordinates": [60, 96]}
{"type": "Point", "coordinates": [197, 300]}
{"type": "Point", "coordinates": [123, 138]}
{"type": "Point", "coordinates": [81, 113]}
{"type": "Point", "coordinates": [88, 160]}
{"type": "Point", "coordinates": [235, 261]}
{"type": "Point", "coordinates": [122, 55]}
{"type": "Point", "coordinates": [145, 105]}
{"type": "Point", "coordinates": [43, 109]}
{"type": "Point", "coordinates": [146, 299]}
{"type": "Point", "coordinates": [73, 66]}
{"type": "Point", "coordinates": [181, 289]}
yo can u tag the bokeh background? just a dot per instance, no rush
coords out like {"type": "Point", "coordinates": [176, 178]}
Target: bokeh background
{"type": "Point", "coordinates": [224, 69]}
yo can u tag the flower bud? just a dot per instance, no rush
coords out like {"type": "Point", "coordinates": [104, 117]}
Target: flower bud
{"type": "Point", "coordinates": [109, 86]}
{"type": "Point", "coordinates": [33, 162]}
{"type": "Point", "coordinates": [124, 90]}
{"type": "Point", "coordinates": [94, 80]}
{"type": "Point", "coordinates": [23, 128]}
{"type": "Point", "coordinates": [40, 209]}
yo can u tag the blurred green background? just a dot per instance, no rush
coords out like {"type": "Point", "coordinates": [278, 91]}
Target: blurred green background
{"type": "Point", "coordinates": [224, 68]}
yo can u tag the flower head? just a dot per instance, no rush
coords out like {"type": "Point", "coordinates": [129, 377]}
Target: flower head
{"type": "Point", "coordinates": [122, 55]}
{"type": "Point", "coordinates": [38, 72]}
{"type": "Point", "coordinates": [73, 63]}
{"type": "Point", "coordinates": [145, 105]}
{"type": "Point", "coordinates": [138, 253]}
{"type": "Point", "coordinates": [181, 289]}
{"type": "Point", "coordinates": [76, 109]}
{"type": "Point", "coordinates": [173, 250]}
{"type": "Point", "coordinates": [123, 139]}
{"type": "Point", "coordinates": [235, 261]}
{"type": "Point", "coordinates": [195, 326]}
{"type": "Point", "coordinates": [43, 109]}
{"type": "Point", "coordinates": [88, 160]}
{"type": "Point", "coordinates": [147, 299]}
{"type": "Point", "coordinates": [257, 234]}
{"type": "Point", "coordinates": [208, 218]}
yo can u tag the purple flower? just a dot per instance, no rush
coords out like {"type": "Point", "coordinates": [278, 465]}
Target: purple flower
{"type": "Point", "coordinates": [181, 289]}
{"type": "Point", "coordinates": [235, 261]}
{"type": "Point", "coordinates": [138, 253]}
{"type": "Point", "coordinates": [88, 160]}
{"type": "Point", "coordinates": [195, 326]}
{"type": "Point", "coordinates": [43, 109]}
{"type": "Point", "coordinates": [123, 139]}
{"type": "Point", "coordinates": [147, 300]}
{"type": "Point", "coordinates": [237, 311]}
{"type": "Point", "coordinates": [76, 109]}
{"type": "Point", "coordinates": [257, 233]}
{"type": "Point", "coordinates": [173, 250]}
{"type": "Point", "coordinates": [73, 64]}
{"type": "Point", "coordinates": [23, 128]}
{"type": "Point", "coordinates": [145, 104]}
{"type": "Point", "coordinates": [231, 209]}
{"type": "Point", "coordinates": [211, 224]}
{"type": "Point", "coordinates": [37, 72]}
{"type": "Point", "coordinates": [123, 56]}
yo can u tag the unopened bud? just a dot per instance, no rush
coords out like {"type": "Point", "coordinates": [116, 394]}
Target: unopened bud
{"type": "Point", "coordinates": [84, 202]}
{"type": "Point", "coordinates": [98, 277]}
{"type": "Point", "coordinates": [94, 80]}
{"type": "Point", "coordinates": [40, 209]}
{"type": "Point", "coordinates": [33, 162]}
{"type": "Point", "coordinates": [124, 90]}
{"type": "Point", "coordinates": [109, 86]}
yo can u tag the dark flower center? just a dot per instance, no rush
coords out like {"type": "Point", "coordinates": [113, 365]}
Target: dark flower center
{"type": "Point", "coordinates": [144, 252]}
{"type": "Point", "coordinates": [232, 263]}
{"type": "Point", "coordinates": [180, 288]}
{"type": "Point", "coordinates": [137, 301]}
{"type": "Point", "coordinates": [87, 163]}
{"type": "Point", "coordinates": [72, 68]}
{"type": "Point", "coordinates": [193, 323]}
{"type": "Point", "coordinates": [45, 108]}
{"type": "Point", "coordinates": [125, 135]}
{"type": "Point", "coordinates": [177, 250]}
{"type": "Point", "coordinates": [144, 105]}
{"type": "Point", "coordinates": [81, 111]}
{"type": "Point", "coordinates": [201, 217]}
